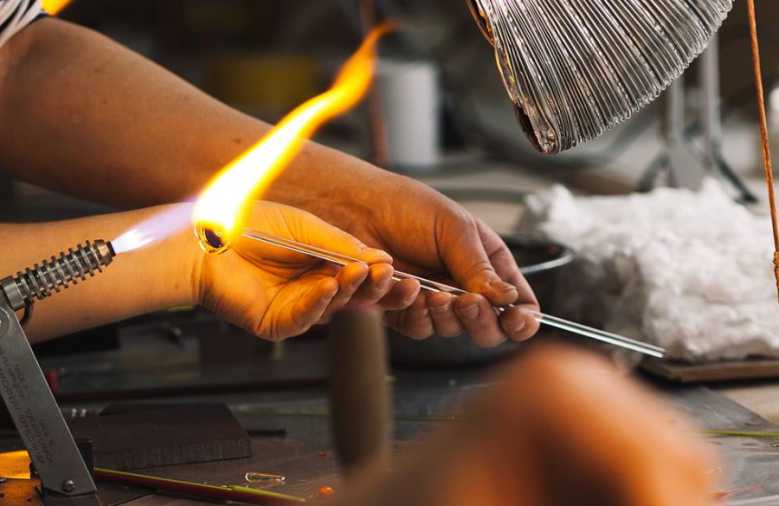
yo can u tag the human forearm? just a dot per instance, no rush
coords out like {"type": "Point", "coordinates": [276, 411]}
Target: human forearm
{"type": "Point", "coordinates": [153, 278]}
{"type": "Point", "coordinates": [81, 113]}
{"type": "Point", "coordinates": [270, 292]}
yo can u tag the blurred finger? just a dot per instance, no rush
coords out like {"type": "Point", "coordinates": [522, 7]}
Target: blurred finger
{"type": "Point", "coordinates": [401, 295]}
{"type": "Point", "coordinates": [445, 322]}
{"type": "Point", "coordinates": [377, 284]}
{"type": "Point", "coordinates": [349, 280]}
{"type": "Point", "coordinates": [478, 318]}
{"type": "Point", "coordinates": [517, 324]}
{"type": "Point", "coordinates": [415, 321]}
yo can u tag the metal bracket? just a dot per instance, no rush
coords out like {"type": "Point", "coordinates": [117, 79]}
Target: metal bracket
{"type": "Point", "coordinates": [64, 476]}
{"type": "Point", "coordinates": [680, 165]}
{"type": "Point", "coordinates": [685, 170]}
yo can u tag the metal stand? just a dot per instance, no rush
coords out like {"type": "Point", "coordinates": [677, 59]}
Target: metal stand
{"type": "Point", "coordinates": [712, 122]}
{"type": "Point", "coordinates": [65, 478]}
{"type": "Point", "coordinates": [683, 167]}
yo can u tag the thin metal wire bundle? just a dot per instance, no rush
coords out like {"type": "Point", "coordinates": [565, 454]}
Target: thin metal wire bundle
{"type": "Point", "coordinates": [576, 68]}
{"type": "Point", "coordinates": [435, 286]}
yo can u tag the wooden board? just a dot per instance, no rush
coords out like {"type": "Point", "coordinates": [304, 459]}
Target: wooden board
{"type": "Point", "coordinates": [680, 372]}
{"type": "Point", "coordinates": [20, 492]}
{"type": "Point", "coordinates": [138, 436]}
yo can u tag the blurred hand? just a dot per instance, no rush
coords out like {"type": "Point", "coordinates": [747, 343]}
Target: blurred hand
{"type": "Point", "coordinates": [560, 428]}
{"type": "Point", "coordinates": [429, 234]}
{"type": "Point", "coordinates": [275, 293]}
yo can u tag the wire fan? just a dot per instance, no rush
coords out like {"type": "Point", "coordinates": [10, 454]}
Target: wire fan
{"type": "Point", "coordinates": [575, 68]}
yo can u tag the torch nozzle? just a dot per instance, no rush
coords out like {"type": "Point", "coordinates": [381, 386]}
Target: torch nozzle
{"type": "Point", "coordinates": [57, 273]}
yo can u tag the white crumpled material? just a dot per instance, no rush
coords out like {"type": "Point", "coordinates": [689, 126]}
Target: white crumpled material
{"type": "Point", "coordinates": [691, 272]}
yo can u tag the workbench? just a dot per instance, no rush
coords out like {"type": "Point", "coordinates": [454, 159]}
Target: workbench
{"type": "Point", "coordinates": [424, 401]}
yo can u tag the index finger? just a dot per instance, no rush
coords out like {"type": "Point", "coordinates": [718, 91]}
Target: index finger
{"type": "Point", "coordinates": [506, 266]}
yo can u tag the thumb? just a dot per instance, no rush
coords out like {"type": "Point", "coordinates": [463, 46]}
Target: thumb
{"type": "Point", "coordinates": [463, 253]}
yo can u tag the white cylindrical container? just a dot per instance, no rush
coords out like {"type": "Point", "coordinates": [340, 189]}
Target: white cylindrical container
{"type": "Point", "coordinates": [410, 104]}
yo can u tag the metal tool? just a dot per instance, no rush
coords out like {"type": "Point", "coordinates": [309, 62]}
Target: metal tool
{"type": "Point", "coordinates": [574, 70]}
{"type": "Point", "coordinates": [435, 286]}
{"type": "Point", "coordinates": [167, 486]}
{"type": "Point", "coordinates": [65, 478]}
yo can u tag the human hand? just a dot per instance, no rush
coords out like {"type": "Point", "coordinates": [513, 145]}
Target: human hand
{"type": "Point", "coordinates": [560, 428]}
{"type": "Point", "coordinates": [275, 293]}
{"type": "Point", "coordinates": [427, 233]}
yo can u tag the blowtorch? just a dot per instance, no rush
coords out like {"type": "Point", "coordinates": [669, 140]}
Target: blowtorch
{"type": "Point", "coordinates": [65, 478]}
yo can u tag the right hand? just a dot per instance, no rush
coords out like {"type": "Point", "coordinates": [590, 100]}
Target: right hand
{"type": "Point", "coordinates": [275, 293]}
{"type": "Point", "coordinates": [561, 428]}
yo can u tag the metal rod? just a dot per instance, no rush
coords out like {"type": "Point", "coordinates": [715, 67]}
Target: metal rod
{"type": "Point", "coordinates": [167, 486]}
{"type": "Point", "coordinates": [435, 286]}
{"type": "Point", "coordinates": [712, 121]}
{"type": "Point", "coordinates": [768, 166]}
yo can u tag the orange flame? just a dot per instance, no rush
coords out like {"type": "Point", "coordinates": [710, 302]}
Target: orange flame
{"type": "Point", "coordinates": [53, 7]}
{"type": "Point", "coordinates": [220, 207]}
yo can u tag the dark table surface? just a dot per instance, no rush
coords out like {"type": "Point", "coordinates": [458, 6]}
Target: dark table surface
{"type": "Point", "coordinates": [282, 395]}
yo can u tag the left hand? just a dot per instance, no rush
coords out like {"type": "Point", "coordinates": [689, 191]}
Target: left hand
{"type": "Point", "coordinates": [426, 233]}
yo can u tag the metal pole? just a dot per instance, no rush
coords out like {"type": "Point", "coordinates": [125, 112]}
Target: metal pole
{"type": "Point", "coordinates": [712, 121]}
{"type": "Point", "coordinates": [360, 398]}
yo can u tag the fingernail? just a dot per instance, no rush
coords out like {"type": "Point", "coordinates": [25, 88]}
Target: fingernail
{"type": "Point", "coordinates": [470, 311]}
{"type": "Point", "coordinates": [502, 286]}
{"type": "Point", "coordinates": [518, 327]}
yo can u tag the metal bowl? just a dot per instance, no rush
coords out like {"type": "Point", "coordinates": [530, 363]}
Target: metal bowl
{"type": "Point", "coordinates": [541, 262]}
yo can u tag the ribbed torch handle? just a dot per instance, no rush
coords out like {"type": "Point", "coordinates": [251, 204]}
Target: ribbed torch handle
{"type": "Point", "coordinates": [57, 273]}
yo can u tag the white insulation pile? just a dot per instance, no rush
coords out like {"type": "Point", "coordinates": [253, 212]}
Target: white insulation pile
{"type": "Point", "coordinates": [688, 271]}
